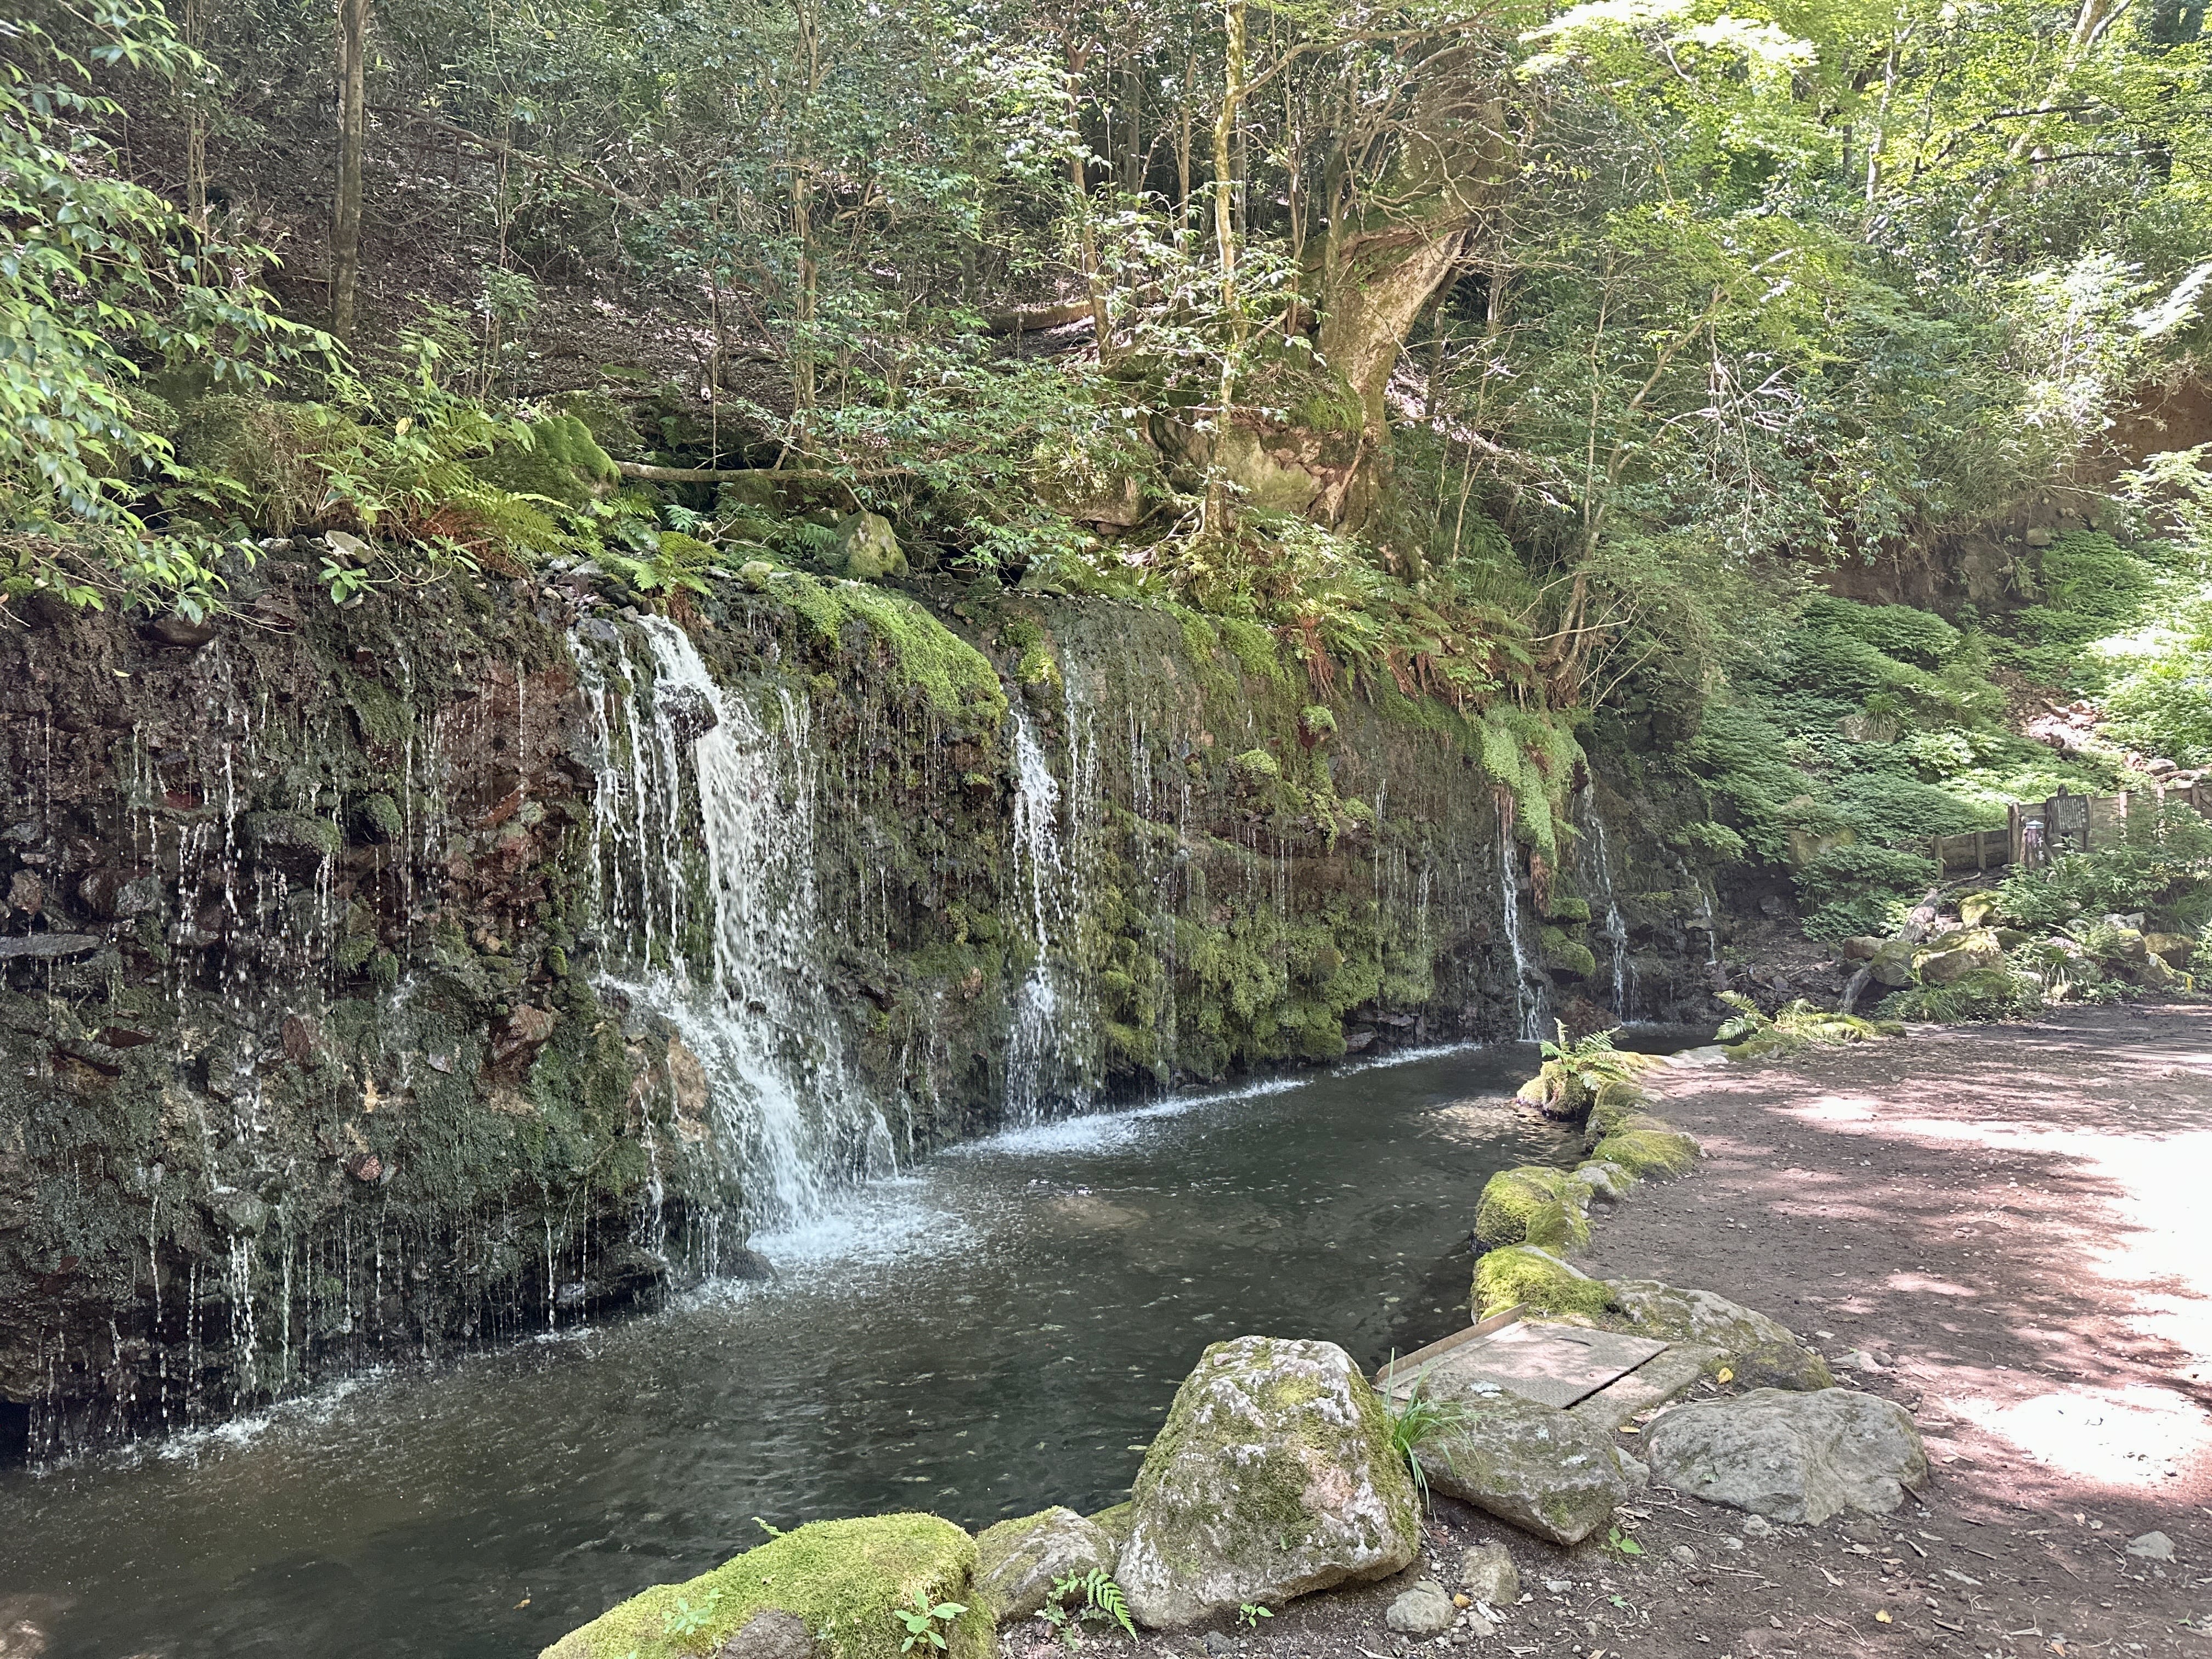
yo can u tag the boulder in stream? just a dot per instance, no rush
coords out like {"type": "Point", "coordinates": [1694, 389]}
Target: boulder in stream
{"type": "Point", "coordinates": [1018, 1561]}
{"type": "Point", "coordinates": [842, 1582]}
{"type": "Point", "coordinates": [1534, 1205]}
{"type": "Point", "coordinates": [1274, 1477]}
{"type": "Point", "coordinates": [1794, 1457]}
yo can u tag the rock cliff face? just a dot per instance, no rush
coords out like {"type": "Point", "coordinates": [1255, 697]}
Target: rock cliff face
{"type": "Point", "coordinates": [378, 979]}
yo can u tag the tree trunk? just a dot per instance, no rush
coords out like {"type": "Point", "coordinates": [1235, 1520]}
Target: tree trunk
{"type": "Point", "coordinates": [345, 222]}
{"type": "Point", "coordinates": [1386, 264]}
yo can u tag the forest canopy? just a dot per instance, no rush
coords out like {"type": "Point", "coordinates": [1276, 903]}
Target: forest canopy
{"type": "Point", "coordinates": [1488, 348]}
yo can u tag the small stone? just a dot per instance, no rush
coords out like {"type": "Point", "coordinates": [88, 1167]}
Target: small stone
{"type": "Point", "coordinates": [1490, 1575]}
{"type": "Point", "coordinates": [26, 893]}
{"type": "Point", "coordinates": [1216, 1643]}
{"type": "Point", "coordinates": [1758, 1526]}
{"type": "Point", "coordinates": [1735, 1543]}
{"type": "Point", "coordinates": [1685, 1554]}
{"type": "Point", "coordinates": [1638, 1474]}
{"type": "Point", "coordinates": [1423, 1610]}
{"type": "Point", "coordinates": [1558, 1586]}
{"type": "Point", "coordinates": [2152, 1546]}
{"type": "Point", "coordinates": [1479, 1627]}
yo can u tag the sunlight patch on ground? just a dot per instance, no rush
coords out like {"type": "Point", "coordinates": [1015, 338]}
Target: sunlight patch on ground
{"type": "Point", "coordinates": [2135, 1435]}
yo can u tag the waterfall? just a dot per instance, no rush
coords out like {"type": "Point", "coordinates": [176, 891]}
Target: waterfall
{"type": "Point", "coordinates": [1531, 1011]}
{"type": "Point", "coordinates": [705, 885]}
{"type": "Point", "coordinates": [1616, 930]}
{"type": "Point", "coordinates": [1045, 1049]}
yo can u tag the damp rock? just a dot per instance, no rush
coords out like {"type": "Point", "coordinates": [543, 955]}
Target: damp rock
{"type": "Point", "coordinates": [1533, 1205]}
{"type": "Point", "coordinates": [1541, 1469]}
{"type": "Point", "coordinates": [1794, 1457]}
{"type": "Point", "coordinates": [1274, 1477]}
{"type": "Point", "coordinates": [1018, 1561]}
{"type": "Point", "coordinates": [846, 1580]}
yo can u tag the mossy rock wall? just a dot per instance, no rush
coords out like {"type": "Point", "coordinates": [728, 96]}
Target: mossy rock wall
{"type": "Point", "coordinates": [342, 1071]}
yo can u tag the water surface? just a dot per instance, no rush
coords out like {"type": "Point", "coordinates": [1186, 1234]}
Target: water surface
{"type": "Point", "coordinates": [1001, 1330]}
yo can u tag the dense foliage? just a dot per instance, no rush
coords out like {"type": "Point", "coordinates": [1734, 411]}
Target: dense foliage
{"type": "Point", "coordinates": [1535, 361]}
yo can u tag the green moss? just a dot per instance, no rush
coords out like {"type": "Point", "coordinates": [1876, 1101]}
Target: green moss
{"type": "Point", "coordinates": [1522, 1275]}
{"type": "Point", "coordinates": [381, 814]}
{"type": "Point", "coordinates": [1568, 907]}
{"type": "Point", "coordinates": [1563, 953]}
{"type": "Point", "coordinates": [1258, 763]}
{"type": "Point", "coordinates": [1645, 1146]}
{"type": "Point", "coordinates": [295, 831]}
{"type": "Point", "coordinates": [1533, 1205]}
{"type": "Point", "coordinates": [845, 1579]}
{"type": "Point", "coordinates": [1617, 1100]}
{"type": "Point", "coordinates": [562, 463]}
{"type": "Point", "coordinates": [957, 679]}
{"type": "Point", "coordinates": [1117, 1522]}
{"type": "Point", "coordinates": [1253, 645]}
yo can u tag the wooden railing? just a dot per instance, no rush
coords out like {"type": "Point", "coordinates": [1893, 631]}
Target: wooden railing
{"type": "Point", "coordinates": [2070, 824]}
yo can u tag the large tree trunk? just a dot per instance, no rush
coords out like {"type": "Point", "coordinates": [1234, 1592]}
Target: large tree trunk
{"type": "Point", "coordinates": [1384, 262]}
{"type": "Point", "coordinates": [345, 219]}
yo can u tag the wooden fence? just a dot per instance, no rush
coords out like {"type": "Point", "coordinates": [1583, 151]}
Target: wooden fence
{"type": "Point", "coordinates": [2069, 823]}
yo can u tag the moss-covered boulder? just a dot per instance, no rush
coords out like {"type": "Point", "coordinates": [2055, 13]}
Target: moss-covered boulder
{"type": "Point", "coordinates": [1647, 1147]}
{"type": "Point", "coordinates": [1973, 949]}
{"type": "Point", "coordinates": [1676, 1314]}
{"type": "Point", "coordinates": [846, 1580]}
{"type": "Point", "coordinates": [1534, 1205]}
{"type": "Point", "coordinates": [1615, 1100]}
{"type": "Point", "coordinates": [1522, 1275]}
{"type": "Point", "coordinates": [1115, 1522]}
{"type": "Point", "coordinates": [1018, 1561]}
{"type": "Point", "coordinates": [1601, 1179]}
{"type": "Point", "coordinates": [1274, 1477]}
{"type": "Point", "coordinates": [1781, 1366]}
{"type": "Point", "coordinates": [868, 549]}
{"type": "Point", "coordinates": [1544, 1470]}
{"type": "Point", "coordinates": [1891, 965]}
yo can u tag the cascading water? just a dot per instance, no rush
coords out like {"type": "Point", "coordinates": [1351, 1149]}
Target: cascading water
{"type": "Point", "coordinates": [706, 889]}
{"type": "Point", "coordinates": [1045, 1049]}
{"type": "Point", "coordinates": [1616, 929]}
{"type": "Point", "coordinates": [1531, 1007]}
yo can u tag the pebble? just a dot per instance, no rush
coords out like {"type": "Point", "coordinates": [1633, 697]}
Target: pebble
{"type": "Point", "coordinates": [2152, 1546]}
{"type": "Point", "coordinates": [1685, 1554]}
{"type": "Point", "coordinates": [1558, 1586]}
{"type": "Point", "coordinates": [1758, 1526]}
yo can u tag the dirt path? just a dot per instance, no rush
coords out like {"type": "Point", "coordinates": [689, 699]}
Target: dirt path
{"type": "Point", "coordinates": [2016, 1224]}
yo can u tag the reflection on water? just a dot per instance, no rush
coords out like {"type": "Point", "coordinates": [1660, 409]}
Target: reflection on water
{"type": "Point", "coordinates": [1001, 1330]}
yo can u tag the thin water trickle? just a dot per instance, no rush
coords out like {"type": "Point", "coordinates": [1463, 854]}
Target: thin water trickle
{"type": "Point", "coordinates": [1616, 929]}
{"type": "Point", "coordinates": [998, 1330]}
{"type": "Point", "coordinates": [1529, 1005]}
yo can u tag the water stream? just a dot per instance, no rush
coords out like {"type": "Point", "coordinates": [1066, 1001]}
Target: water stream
{"type": "Point", "coordinates": [1002, 1328]}
{"type": "Point", "coordinates": [1615, 927]}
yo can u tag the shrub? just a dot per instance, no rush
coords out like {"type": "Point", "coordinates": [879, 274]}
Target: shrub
{"type": "Point", "coordinates": [1985, 993]}
{"type": "Point", "coordinates": [1845, 873]}
{"type": "Point", "coordinates": [2164, 859]}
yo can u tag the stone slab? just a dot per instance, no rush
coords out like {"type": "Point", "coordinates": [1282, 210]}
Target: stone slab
{"type": "Point", "coordinates": [1551, 1364]}
{"type": "Point", "coordinates": [1655, 1381]}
